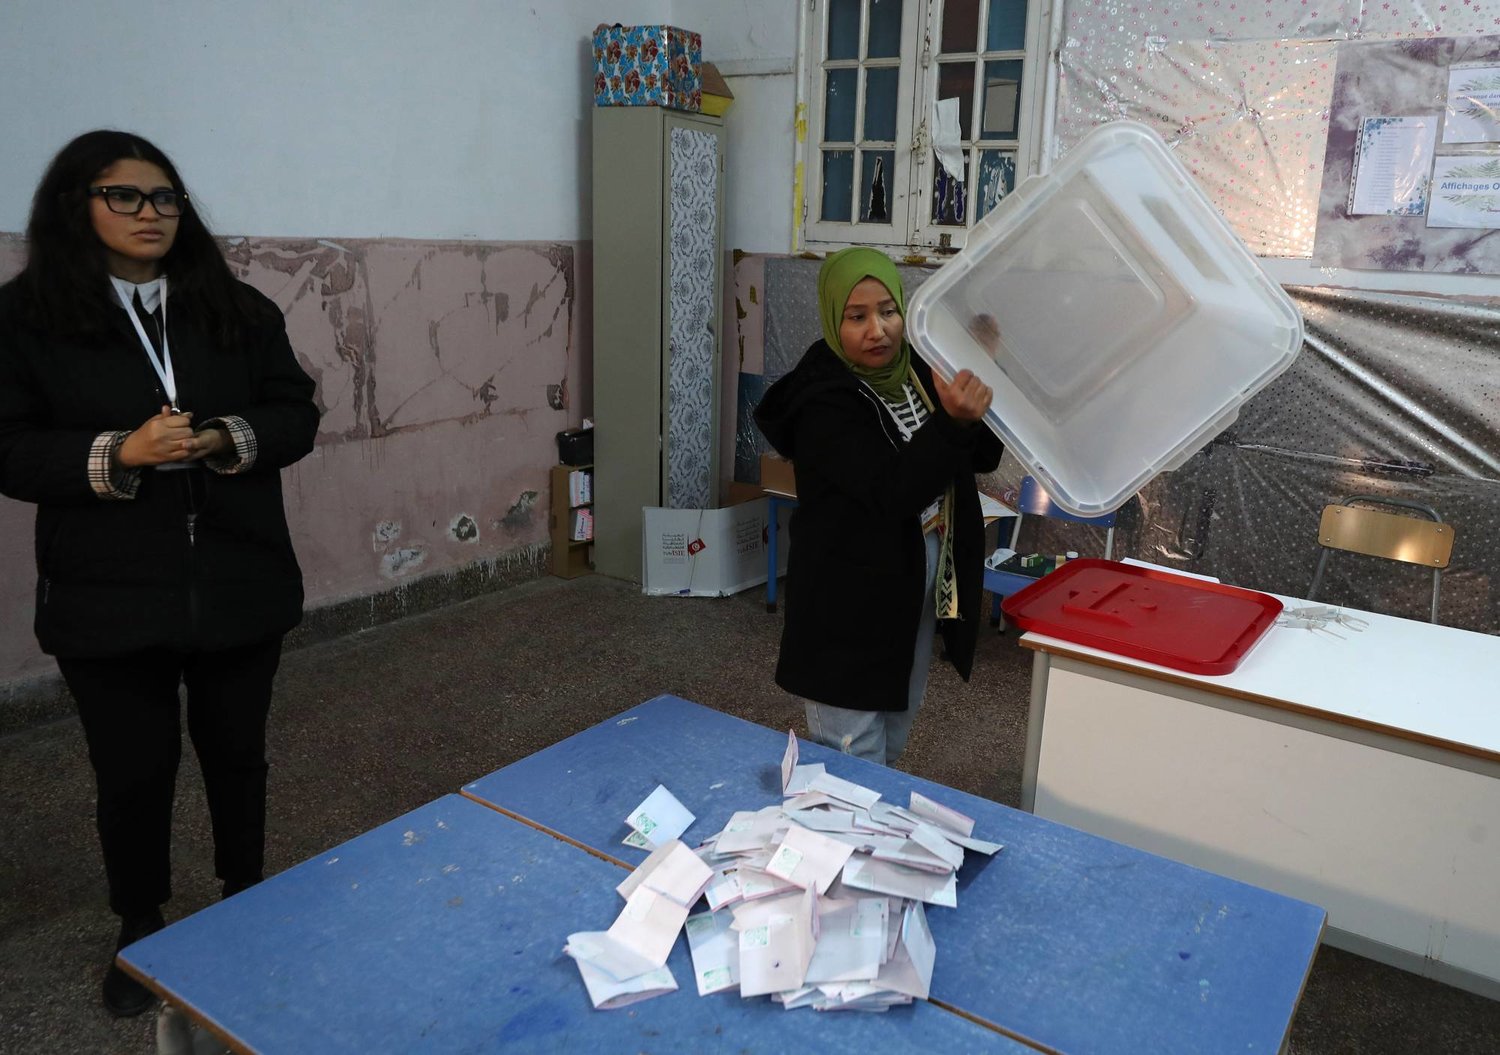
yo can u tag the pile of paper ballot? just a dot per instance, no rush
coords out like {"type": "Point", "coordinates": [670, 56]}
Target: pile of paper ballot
{"type": "Point", "coordinates": [817, 902]}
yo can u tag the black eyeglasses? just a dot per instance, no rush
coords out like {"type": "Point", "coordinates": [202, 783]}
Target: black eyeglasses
{"type": "Point", "coordinates": [130, 200]}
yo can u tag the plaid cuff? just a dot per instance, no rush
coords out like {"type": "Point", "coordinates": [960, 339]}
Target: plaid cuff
{"type": "Point", "coordinates": [105, 478]}
{"type": "Point", "coordinates": [245, 447]}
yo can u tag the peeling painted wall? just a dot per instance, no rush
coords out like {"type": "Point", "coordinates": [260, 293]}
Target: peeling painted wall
{"type": "Point", "coordinates": [444, 372]}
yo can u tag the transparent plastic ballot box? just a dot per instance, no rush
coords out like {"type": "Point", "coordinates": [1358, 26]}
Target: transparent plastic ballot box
{"type": "Point", "coordinates": [1117, 316]}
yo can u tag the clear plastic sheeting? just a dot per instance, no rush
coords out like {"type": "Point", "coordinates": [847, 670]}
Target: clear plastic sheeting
{"type": "Point", "coordinates": [1251, 518]}
{"type": "Point", "coordinates": [1240, 88]}
{"type": "Point", "coordinates": [1427, 18]}
{"type": "Point", "coordinates": [1403, 383]}
{"type": "Point", "coordinates": [1099, 21]}
{"type": "Point", "coordinates": [1393, 396]}
{"type": "Point", "coordinates": [1249, 120]}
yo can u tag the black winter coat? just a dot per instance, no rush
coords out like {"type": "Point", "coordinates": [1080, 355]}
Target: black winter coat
{"type": "Point", "coordinates": [117, 576]}
{"type": "Point", "coordinates": [858, 564]}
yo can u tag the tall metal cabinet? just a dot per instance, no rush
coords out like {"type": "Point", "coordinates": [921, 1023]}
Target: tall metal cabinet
{"type": "Point", "coordinates": [658, 237]}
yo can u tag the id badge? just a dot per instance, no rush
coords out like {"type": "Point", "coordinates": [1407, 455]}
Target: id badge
{"type": "Point", "coordinates": [932, 516]}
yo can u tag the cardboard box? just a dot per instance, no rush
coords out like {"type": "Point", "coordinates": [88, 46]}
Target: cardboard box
{"type": "Point", "coordinates": [710, 552]}
{"type": "Point", "coordinates": [734, 492]}
{"type": "Point", "coordinates": [717, 98]}
{"type": "Point", "coordinates": [648, 66]}
{"type": "Point", "coordinates": [776, 475]}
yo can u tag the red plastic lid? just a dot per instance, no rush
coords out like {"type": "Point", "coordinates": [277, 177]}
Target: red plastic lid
{"type": "Point", "coordinates": [1170, 620]}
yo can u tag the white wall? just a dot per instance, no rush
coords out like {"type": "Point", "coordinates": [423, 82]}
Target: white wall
{"type": "Point", "coordinates": [754, 44]}
{"type": "Point", "coordinates": [758, 180]}
{"type": "Point", "coordinates": [744, 36]}
{"type": "Point", "coordinates": [378, 118]}
{"type": "Point", "coordinates": [345, 118]}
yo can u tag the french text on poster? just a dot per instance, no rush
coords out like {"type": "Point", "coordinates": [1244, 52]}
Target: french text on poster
{"type": "Point", "coordinates": [1473, 110]}
{"type": "Point", "coordinates": [1465, 192]}
{"type": "Point", "coordinates": [1392, 159]}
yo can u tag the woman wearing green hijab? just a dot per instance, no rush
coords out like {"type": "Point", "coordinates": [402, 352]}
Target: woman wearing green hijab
{"type": "Point", "coordinates": [887, 542]}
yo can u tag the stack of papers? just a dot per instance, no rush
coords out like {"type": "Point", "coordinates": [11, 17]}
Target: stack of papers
{"type": "Point", "coordinates": [580, 487]}
{"type": "Point", "coordinates": [818, 902]}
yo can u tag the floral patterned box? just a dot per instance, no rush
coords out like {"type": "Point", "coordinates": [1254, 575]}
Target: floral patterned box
{"type": "Point", "coordinates": [648, 66]}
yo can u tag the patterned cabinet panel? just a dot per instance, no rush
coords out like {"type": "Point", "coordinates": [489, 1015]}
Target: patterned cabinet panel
{"type": "Point", "coordinates": [658, 219]}
{"type": "Point", "coordinates": [692, 366]}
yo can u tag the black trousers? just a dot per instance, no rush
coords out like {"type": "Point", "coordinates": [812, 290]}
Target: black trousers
{"type": "Point", "coordinates": [130, 711]}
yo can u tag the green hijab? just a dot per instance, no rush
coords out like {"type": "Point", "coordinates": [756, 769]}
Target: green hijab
{"type": "Point", "coordinates": [840, 273]}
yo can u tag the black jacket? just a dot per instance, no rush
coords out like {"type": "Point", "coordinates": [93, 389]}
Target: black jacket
{"type": "Point", "coordinates": [857, 565]}
{"type": "Point", "coordinates": [116, 576]}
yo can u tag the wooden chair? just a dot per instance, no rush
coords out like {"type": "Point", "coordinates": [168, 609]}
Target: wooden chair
{"type": "Point", "coordinates": [1357, 529]}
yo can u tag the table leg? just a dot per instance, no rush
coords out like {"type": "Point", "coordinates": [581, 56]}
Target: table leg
{"type": "Point", "coordinates": [775, 508]}
{"type": "Point", "coordinates": [1040, 666]}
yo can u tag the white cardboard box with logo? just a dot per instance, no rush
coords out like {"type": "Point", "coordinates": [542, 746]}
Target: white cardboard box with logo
{"type": "Point", "coordinates": [710, 552]}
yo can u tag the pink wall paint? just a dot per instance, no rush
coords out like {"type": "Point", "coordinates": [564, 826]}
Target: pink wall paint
{"type": "Point", "coordinates": [444, 369]}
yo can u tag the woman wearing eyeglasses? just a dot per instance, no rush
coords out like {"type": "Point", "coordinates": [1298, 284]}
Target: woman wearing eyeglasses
{"type": "Point", "coordinates": [148, 402]}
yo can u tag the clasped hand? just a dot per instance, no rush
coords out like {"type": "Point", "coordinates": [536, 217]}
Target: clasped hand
{"type": "Point", "coordinates": [169, 437]}
{"type": "Point", "coordinates": [965, 398]}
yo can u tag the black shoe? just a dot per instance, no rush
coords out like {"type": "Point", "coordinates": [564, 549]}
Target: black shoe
{"type": "Point", "coordinates": [124, 997]}
{"type": "Point", "coordinates": [234, 886]}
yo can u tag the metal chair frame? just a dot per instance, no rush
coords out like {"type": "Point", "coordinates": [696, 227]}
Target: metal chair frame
{"type": "Point", "coordinates": [1440, 562]}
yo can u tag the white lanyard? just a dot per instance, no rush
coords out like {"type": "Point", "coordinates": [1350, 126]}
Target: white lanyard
{"type": "Point", "coordinates": [163, 366]}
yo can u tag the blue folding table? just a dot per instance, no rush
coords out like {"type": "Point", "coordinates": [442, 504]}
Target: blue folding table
{"type": "Point", "coordinates": [1065, 940]}
{"type": "Point", "coordinates": [442, 931]}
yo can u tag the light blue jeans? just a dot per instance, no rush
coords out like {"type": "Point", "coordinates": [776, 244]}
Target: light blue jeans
{"type": "Point", "coordinates": [880, 736]}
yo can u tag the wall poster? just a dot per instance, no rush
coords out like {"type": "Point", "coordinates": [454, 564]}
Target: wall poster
{"type": "Point", "coordinates": [1411, 173]}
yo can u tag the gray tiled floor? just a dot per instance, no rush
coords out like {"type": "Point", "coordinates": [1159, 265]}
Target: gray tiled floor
{"type": "Point", "coordinates": [371, 725]}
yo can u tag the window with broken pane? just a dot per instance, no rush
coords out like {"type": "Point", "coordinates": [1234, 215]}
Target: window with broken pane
{"type": "Point", "coordinates": [876, 173]}
{"type": "Point", "coordinates": [861, 68]}
{"type": "Point", "coordinates": [997, 178]}
{"type": "Point", "coordinates": [875, 182]}
{"type": "Point", "coordinates": [980, 67]}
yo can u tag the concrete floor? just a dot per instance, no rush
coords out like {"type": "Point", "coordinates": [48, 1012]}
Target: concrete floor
{"type": "Point", "coordinates": [369, 726]}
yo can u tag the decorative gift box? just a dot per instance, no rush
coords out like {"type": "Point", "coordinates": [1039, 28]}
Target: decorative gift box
{"type": "Point", "coordinates": [648, 66]}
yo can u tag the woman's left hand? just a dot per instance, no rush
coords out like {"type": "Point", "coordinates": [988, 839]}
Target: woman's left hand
{"type": "Point", "coordinates": [208, 443]}
{"type": "Point", "coordinates": [965, 398]}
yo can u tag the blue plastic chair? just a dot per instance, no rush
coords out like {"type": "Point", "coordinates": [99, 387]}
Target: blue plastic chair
{"type": "Point", "coordinates": [1033, 501]}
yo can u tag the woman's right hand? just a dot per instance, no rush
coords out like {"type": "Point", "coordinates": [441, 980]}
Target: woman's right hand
{"type": "Point", "coordinates": [166, 437]}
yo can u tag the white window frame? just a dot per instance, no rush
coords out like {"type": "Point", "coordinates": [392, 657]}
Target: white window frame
{"type": "Point", "coordinates": [834, 233]}
{"type": "Point", "coordinates": [911, 229]}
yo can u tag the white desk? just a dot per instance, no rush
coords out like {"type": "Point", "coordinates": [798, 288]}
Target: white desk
{"type": "Point", "coordinates": [1361, 774]}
